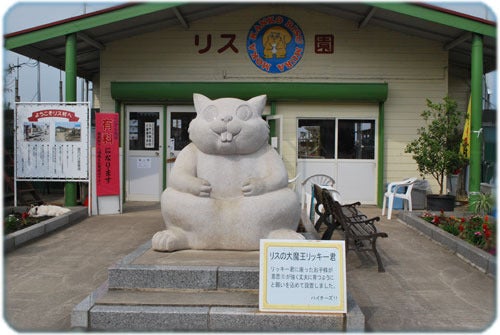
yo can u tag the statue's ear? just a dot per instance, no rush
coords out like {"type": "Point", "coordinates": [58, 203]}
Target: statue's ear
{"type": "Point", "coordinates": [258, 103]}
{"type": "Point", "coordinates": [200, 101]}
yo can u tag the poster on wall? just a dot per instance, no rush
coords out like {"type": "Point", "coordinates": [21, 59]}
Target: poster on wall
{"type": "Point", "coordinates": [52, 141]}
{"type": "Point", "coordinates": [107, 154]}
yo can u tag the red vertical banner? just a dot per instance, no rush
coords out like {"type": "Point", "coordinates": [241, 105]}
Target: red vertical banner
{"type": "Point", "coordinates": [107, 154]}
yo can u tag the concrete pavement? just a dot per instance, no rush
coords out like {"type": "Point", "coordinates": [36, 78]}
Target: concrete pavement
{"type": "Point", "coordinates": [45, 279]}
{"type": "Point", "coordinates": [425, 287]}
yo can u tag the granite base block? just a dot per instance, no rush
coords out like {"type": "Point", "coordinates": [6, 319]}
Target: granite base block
{"type": "Point", "coordinates": [126, 318]}
{"type": "Point", "coordinates": [80, 313]}
{"type": "Point", "coordinates": [150, 276]}
{"type": "Point", "coordinates": [250, 319]}
{"type": "Point", "coordinates": [238, 278]}
{"type": "Point", "coordinates": [137, 297]}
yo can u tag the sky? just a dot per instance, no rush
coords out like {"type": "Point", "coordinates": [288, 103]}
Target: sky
{"type": "Point", "coordinates": [40, 12]}
{"type": "Point", "coordinates": [34, 14]}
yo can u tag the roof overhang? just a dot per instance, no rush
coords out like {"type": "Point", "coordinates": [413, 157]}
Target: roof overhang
{"type": "Point", "coordinates": [94, 30]}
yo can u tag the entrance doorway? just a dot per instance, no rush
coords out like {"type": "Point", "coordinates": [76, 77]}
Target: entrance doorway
{"type": "Point", "coordinates": [178, 119]}
{"type": "Point", "coordinates": [343, 148]}
{"type": "Point", "coordinates": [144, 153]}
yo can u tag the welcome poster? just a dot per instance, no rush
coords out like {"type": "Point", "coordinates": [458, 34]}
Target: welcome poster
{"type": "Point", "coordinates": [52, 141]}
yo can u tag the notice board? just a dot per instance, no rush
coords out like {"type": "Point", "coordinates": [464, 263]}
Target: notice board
{"type": "Point", "coordinates": [52, 141]}
{"type": "Point", "coordinates": [107, 154]}
{"type": "Point", "coordinates": [302, 276]}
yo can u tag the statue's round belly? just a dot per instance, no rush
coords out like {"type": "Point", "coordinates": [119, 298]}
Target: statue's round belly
{"type": "Point", "coordinates": [227, 175]}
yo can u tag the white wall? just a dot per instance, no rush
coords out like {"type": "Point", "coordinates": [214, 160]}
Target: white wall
{"type": "Point", "coordinates": [414, 68]}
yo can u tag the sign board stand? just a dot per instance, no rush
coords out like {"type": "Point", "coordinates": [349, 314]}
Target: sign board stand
{"type": "Point", "coordinates": [106, 164]}
{"type": "Point", "coordinates": [108, 204]}
{"type": "Point", "coordinates": [302, 276]}
{"type": "Point", "coordinates": [52, 142]}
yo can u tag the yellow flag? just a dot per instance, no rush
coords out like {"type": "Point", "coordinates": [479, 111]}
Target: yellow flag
{"type": "Point", "coordinates": [465, 145]}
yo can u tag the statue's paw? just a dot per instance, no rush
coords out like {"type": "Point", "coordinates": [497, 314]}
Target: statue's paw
{"type": "Point", "coordinates": [285, 234]}
{"type": "Point", "coordinates": [205, 189]}
{"type": "Point", "coordinates": [169, 240]}
{"type": "Point", "coordinates": [253, 187]}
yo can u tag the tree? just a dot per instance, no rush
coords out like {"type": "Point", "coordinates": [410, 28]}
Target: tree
{"type": "Point", "coordinates": [437, 149]}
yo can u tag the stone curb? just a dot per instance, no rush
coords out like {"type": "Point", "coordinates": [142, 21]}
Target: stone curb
{"type": "Point", "coordinates": [19, 238]}
{"type": "Point", "coordinates": [471, 254]}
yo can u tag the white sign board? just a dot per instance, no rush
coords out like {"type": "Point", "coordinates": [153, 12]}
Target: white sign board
{"type": "Point", "coordinates": [52, 141]}
{"type": "Point", "coordinates": [302, 276]}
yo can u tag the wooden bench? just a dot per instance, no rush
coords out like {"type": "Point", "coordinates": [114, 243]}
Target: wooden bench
{"type": "Point", "coordinates": [325, 217]}
{"type": "Point", "coordinates": [359, 231]}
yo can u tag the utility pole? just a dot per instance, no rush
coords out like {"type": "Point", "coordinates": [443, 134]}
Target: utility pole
{"type": "Point", "coordinates": [60, 87]}
{"type": "Point", "coordinates": [17, 97]}
{"type": "Point", "coordinates": [38, 88]}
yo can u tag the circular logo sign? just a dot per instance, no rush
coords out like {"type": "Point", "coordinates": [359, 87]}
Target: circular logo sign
{"type": "Point", "coordinates": [275, 43]}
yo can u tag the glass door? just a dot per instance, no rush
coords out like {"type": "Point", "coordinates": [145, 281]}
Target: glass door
{"type": "Point", "coordinates": [144, 168]}
{"type": "Point", "coordinates": [178, 119]}
{"type": "Point", "coordinates": [275, 123]}
{"type": "Point", "coordinates": [357, 168]}
{"type": "Point", "coordinates": [343, 149]}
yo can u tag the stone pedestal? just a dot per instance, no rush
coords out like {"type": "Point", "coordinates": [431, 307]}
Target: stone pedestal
{"type": "Point", "coordinates": [194, 290]}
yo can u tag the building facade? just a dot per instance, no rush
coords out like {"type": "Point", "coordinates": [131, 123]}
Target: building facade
{"type": "Point", "coordinates": [344, 94]}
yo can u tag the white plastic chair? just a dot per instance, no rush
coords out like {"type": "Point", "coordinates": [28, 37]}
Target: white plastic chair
{"type": "Point", "coordinates": [292, 182]}
{"type": "Point", "coordinates": [392, 192]}
{"type": "Point", "coordinates": [306, 190]}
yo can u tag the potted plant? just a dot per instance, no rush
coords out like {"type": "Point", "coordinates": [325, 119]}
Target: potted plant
{"type": "Point", "coordinates": [483, 204]}
{"type": "Point", "coordinates": [437, 148]}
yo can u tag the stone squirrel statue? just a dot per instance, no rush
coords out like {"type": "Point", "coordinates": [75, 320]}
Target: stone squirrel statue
{"type": "Point", "coordinates": [47, 210]}
{"type": "Point", "coordinates": [228, 188]}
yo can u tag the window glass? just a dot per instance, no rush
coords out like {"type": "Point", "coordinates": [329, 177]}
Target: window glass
{"type": "Point", "coordinates": [144, 131]}
{"type": "Point", "coordinates": [316, 138]}
{"type": "Point", "coordinates": [356, 139]}
{"type": "Point", "coordinates": [179, 129]}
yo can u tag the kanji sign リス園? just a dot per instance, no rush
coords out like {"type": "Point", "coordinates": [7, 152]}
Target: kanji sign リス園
{"type": "Point", "coordinates": [323, 44]}
{"type": "Point", "coordinates": [229, 43]}
{"type": "Point", "coordinates": [306, 276]}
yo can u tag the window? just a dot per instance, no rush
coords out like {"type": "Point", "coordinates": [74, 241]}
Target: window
{"type": "Point", "coordinates": [316, 138]}
{"type": "Point", "coordinates": [144, 131]}
{"type": "Point", "coordinates": [356, 139]}
{"type": "Point", "coordinates": [179, 129]}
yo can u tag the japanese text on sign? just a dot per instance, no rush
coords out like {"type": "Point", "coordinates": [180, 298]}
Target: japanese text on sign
{"type": "Point", "coordinates": [52, 141]}
{"type": "Point", "coordinates": [302, 276]}
{"type": "Point", "coordinates": [107, 154]}
{"type": "Point", "coordinates": [207, 45]}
